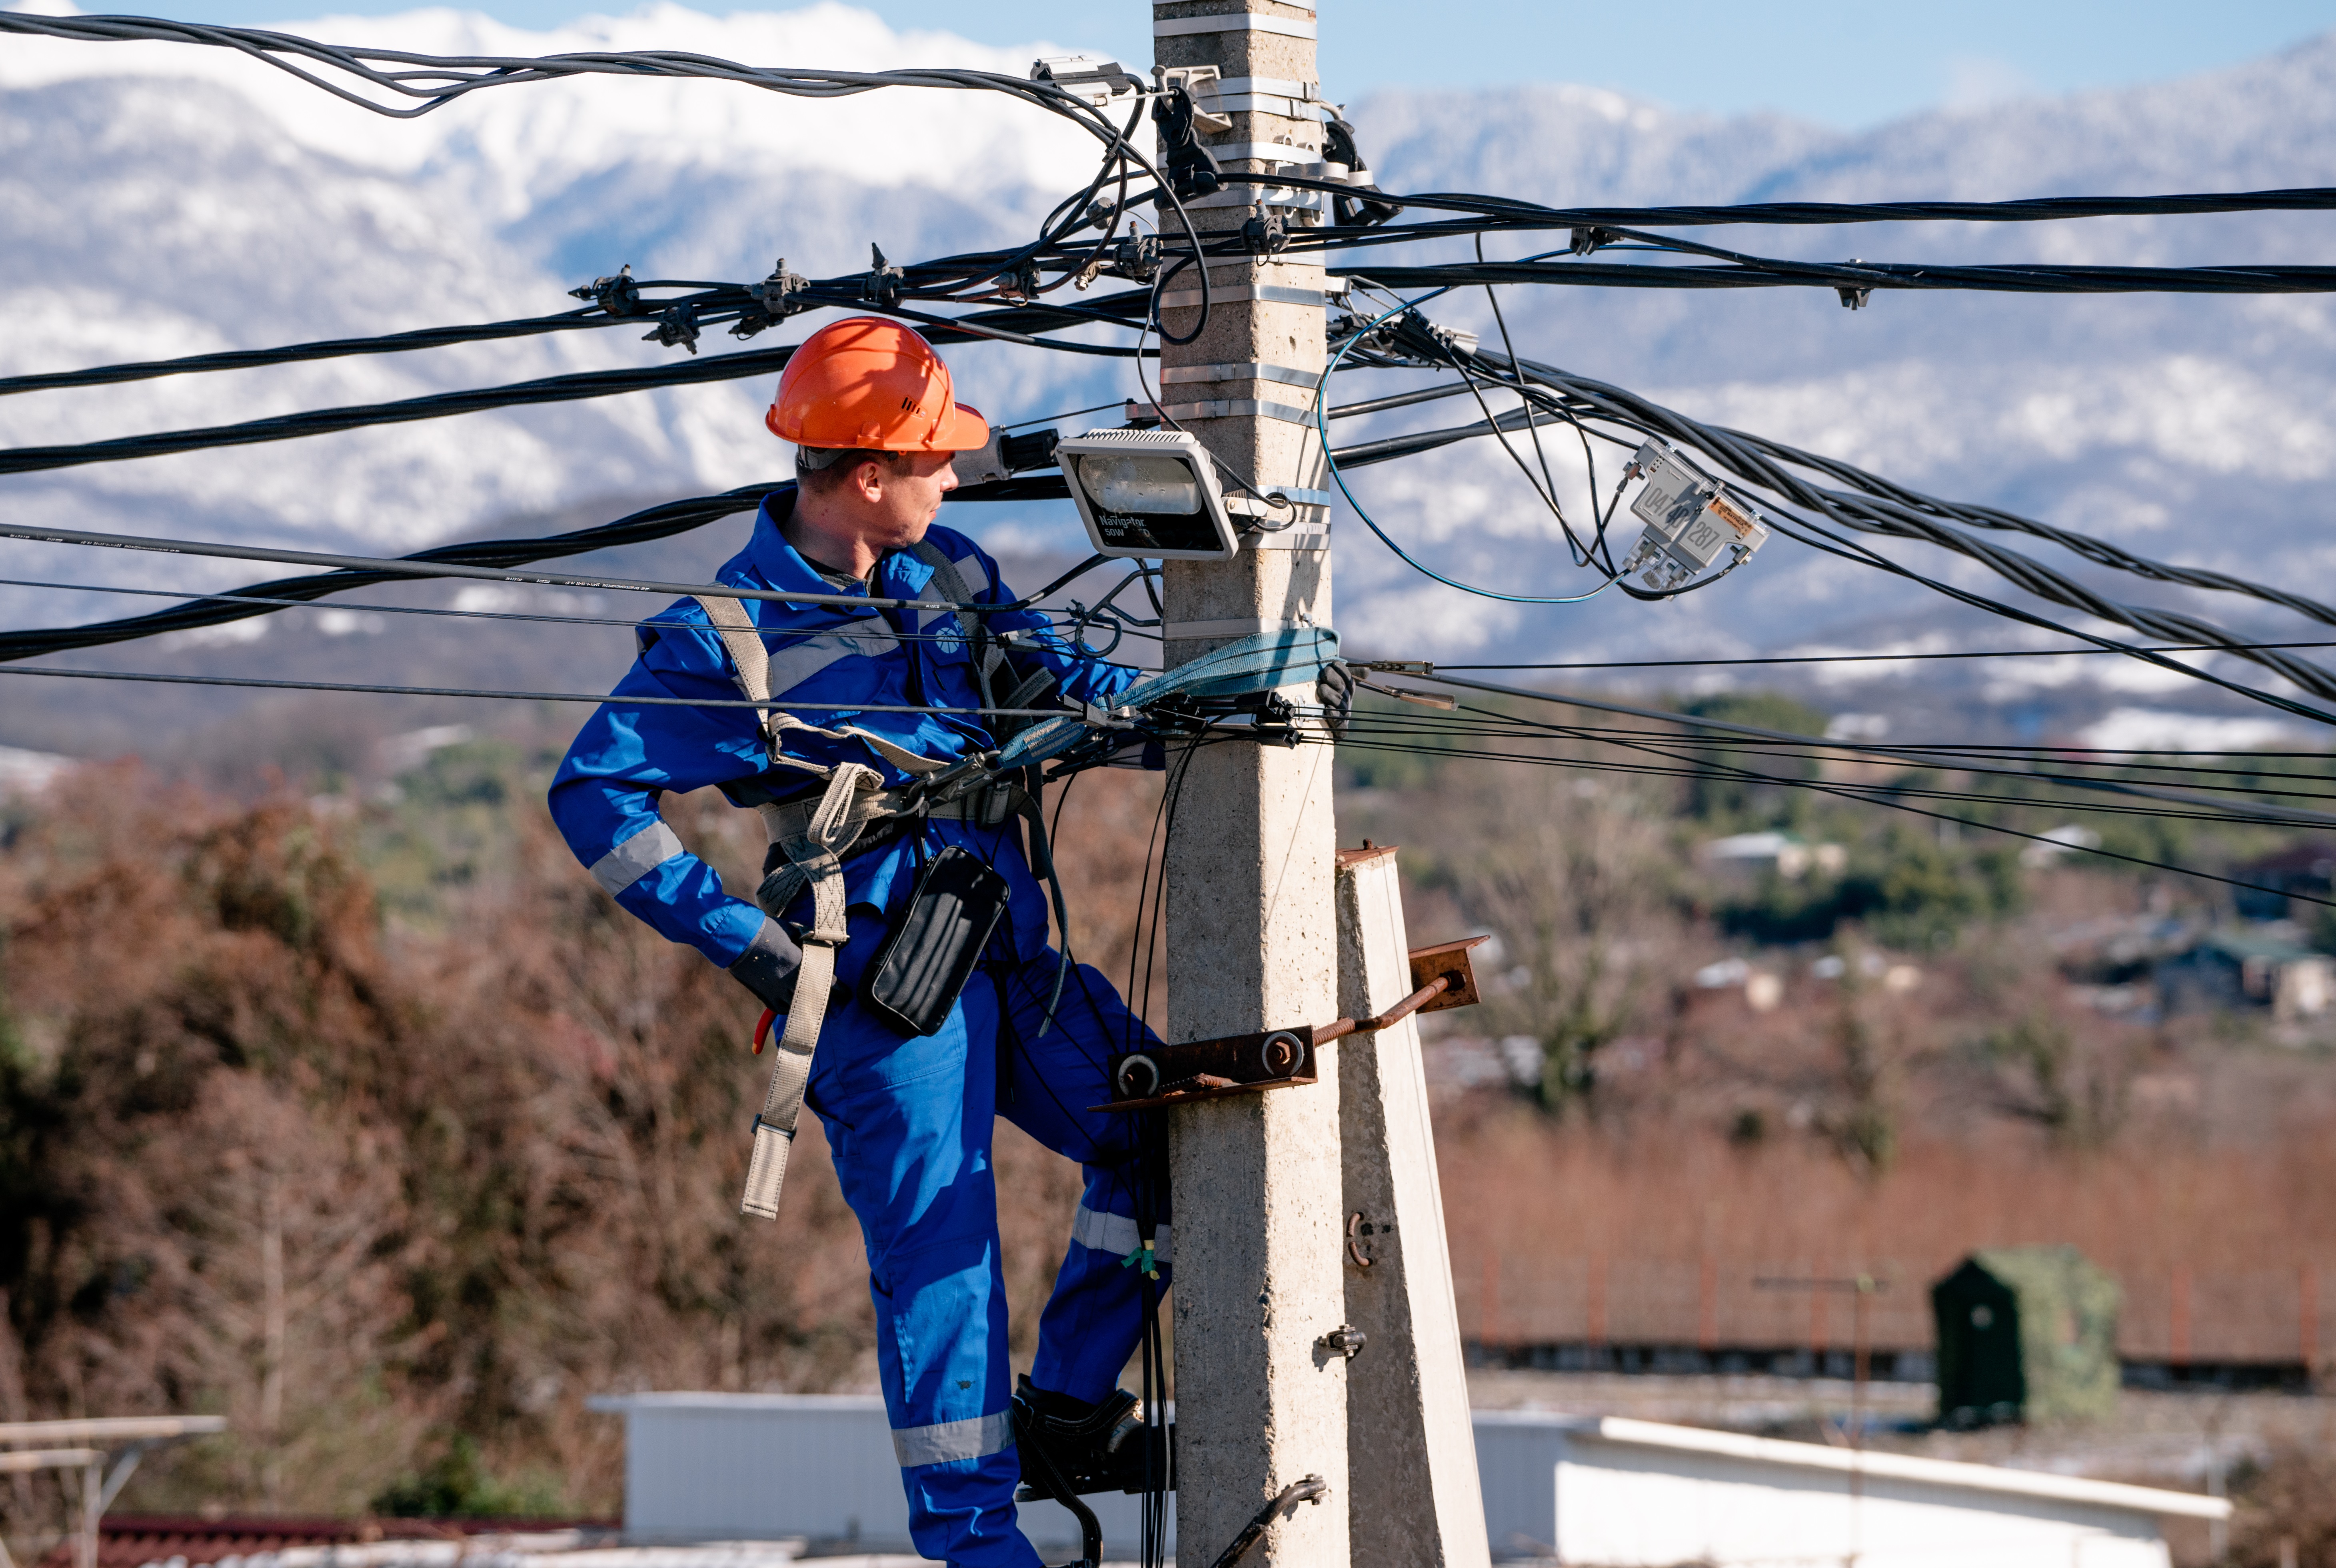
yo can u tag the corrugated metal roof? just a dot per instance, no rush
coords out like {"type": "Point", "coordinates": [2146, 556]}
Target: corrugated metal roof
{"type": "Point", "coordinates": [133, 1540]}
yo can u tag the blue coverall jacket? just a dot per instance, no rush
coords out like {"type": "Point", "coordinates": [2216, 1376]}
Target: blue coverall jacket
{"type": "Point", "coordinates": [908, 1119]}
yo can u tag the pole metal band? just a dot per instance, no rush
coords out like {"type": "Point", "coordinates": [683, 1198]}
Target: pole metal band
{"type": "Point", "coordinates": [1254, 370]}
{"type": "Point", "coordinates": [1238, 408]}
{"type": "Point", "coordinates": [1185, 26]}
{"type": "Point", "coordinates": [1264, 293]}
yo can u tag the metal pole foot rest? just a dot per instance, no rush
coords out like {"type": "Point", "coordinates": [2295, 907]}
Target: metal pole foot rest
{"type": "Point", "coordinates": [1282, 1059]}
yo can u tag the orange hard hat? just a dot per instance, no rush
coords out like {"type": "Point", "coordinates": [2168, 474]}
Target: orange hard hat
{"type": "Point", "coordinates": [872, 385]}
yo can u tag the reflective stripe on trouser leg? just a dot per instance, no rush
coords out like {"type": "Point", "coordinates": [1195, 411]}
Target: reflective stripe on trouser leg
{"type": "Point", "coordinates": [1094, 1319]}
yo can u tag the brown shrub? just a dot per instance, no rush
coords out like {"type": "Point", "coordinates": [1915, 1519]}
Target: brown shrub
{"type": "Point", "coordinates": [360, 1188]}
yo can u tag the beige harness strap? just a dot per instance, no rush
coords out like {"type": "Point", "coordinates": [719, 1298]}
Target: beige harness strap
{"type": "Point", "coordinates": [817, 851]}
{"type": "Point", "coordinates": [743, 640]}
{"type": "Point", "coordinates": [812, 840]}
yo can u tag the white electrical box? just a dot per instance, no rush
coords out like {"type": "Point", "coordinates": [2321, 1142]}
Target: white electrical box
{"type": "Point", "coordinates": [1692, 520]}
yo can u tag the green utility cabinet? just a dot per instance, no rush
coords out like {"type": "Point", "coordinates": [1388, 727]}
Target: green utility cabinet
{"type": "Point", "coordinates": [2026, 1334]}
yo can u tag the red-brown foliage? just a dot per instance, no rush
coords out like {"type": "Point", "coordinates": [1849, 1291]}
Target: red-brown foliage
{"type": "Point", "coordinates": [360, 1188]}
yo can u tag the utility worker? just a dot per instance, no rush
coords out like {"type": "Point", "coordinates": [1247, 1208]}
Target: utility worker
{"type": "Point", "coordinates": [908, 1117]}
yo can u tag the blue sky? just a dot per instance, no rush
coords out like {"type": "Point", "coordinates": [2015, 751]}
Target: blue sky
{"type": "Point", "coordinates": [1841, 65]}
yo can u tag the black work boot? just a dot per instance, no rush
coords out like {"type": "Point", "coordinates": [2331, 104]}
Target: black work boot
{"type": "Point", "coordinates": [1069, 1443]}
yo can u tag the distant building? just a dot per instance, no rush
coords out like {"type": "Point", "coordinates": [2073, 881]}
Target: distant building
{"type": "Point", "coordinates": [2236, 969]}
{"type": "Point", "coordinates": [2308, 868]}
{"type": "Point", "coordinates": [731, 1470]}
{"type": "Point", "coordinates": [2026, 1334]}
{"type": "Point", "coordinates": [2047, 847]}
{"type": "Point", "coordinates": [1782, 853]}
{"type": "Point", "coordinates": [1625, 1494]}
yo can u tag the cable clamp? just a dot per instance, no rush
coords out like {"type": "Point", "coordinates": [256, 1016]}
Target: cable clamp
{"type": "Point", "coordinates": [1136, 258]}
{"type": "Point", "coordinates": [1108, 717]}
{"type": "Point", "coordinates": [678, 326]}
{"type": "Point", "coordinates": [885, 282]}
{"type": "Point", "coordinates": [1193, 81]}
{"type": "Point", "coordinates": [618, 295]}
{"type": "Point", "coordinates": [1017, 286]}
{"type": "Point", "coordinates": [1263, 234]}
{"type": "Point", "coordinates": [776, 293]}
{"type": "Point", "coordinates": [1093, 81]}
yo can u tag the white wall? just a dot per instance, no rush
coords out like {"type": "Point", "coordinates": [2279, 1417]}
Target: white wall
{"type": "Point", "coordinates": [769, 1467]}
{"type": "Point", "coordinates": [1621, 1505]}
{"type": "Point", "coordinates": [1601, 1492]}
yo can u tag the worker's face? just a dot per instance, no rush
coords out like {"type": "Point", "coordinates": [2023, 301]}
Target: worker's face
{"type": "Point", "coordinates": [898, 501]}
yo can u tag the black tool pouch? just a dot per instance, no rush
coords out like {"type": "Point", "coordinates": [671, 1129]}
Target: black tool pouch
{"type": "Point", "coordinates": [929, 955]}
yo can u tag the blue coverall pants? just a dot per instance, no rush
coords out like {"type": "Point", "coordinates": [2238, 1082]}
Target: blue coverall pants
{"type": "Point", "coordinates": [908, 1121]}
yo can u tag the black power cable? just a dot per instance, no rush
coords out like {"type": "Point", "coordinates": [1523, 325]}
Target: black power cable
{"type": "Point", "coordinates": [662, 522]}
{"type": "Point", "coordinates": [2031, 209]}
{"type": "Point", "coordinates": [1885, 507]}
{"type": "Point", "coordinates": [655, 522]}
{"type": "Point", "coordinates": [1729, 729]}
{"type": "Point", "coordinates": [494, 694]}
{"type": "Point", "coordinates": [430, 82]}
{"type": "Point", "coordinates": [437, 405]}
{"type": "Point", "coordinates": [336, 348]}
{"type": "Point", "coordinates": [1864, 275]}
{"type": "Point", "coordinates": [1893, 511]}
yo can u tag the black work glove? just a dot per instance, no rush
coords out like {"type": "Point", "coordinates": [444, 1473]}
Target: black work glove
{"type": "Point", "coordinates": [1334, 688]}
{"type": "Point", "coordinates": [768, 965]}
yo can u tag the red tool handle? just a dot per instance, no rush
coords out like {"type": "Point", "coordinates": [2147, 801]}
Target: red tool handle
{"type": "Point", "coordinates": [763, 1028]}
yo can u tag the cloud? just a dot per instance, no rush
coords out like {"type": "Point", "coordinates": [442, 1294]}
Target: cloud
{"type": "Point", "coordinates": [1977, 81]}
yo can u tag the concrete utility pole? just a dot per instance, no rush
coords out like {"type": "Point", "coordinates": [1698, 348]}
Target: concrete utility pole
{"type": "Point", "coordinates": [1251, 917]}
{"type": "Point", "coordinates": [1411, 1444]}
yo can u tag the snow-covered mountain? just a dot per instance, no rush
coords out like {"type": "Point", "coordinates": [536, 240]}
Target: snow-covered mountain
{"type": "Point", "coordinates": [161, 200]}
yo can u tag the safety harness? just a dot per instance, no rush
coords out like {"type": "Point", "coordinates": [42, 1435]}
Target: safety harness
{"type": "Point", "coordinates": [812, 835]}
{"type": "Point", "coordinates": [854, 812]}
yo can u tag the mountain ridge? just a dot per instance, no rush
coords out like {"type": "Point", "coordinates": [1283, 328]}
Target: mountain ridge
{"type": "Point", "coordinates": [178, 200]}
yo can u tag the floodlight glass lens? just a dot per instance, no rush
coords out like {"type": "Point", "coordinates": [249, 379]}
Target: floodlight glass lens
{"type": "Point", "coordinates": [1147, 483]}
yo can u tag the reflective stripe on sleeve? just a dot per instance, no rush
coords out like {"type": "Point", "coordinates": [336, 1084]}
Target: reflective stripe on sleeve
{"type": "Point", "coordinates": [1114, 1233]}
{"type": "Point", "coordinates": [946, 1440]}
{"type": "Point", "coordinates": [634, 859]}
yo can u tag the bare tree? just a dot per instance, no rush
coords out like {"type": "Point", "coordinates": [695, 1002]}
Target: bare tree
{"type": "Point", "coordinates": [1571, 873]}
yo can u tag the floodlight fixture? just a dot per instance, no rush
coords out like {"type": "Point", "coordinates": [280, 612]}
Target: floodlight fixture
{"type": "Point", "coordinates": [1691, 517]}
{"type": "Point", "coordinates": [1148, 494]}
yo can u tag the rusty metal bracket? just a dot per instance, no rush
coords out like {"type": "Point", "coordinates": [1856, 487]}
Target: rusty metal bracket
{"type": "Point", "coordinates": [1208, 1069]}
{"type": "Point", "coordinates": [1280, 1058]}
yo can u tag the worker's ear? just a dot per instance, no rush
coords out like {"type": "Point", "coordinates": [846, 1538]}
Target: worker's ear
{"type": "Point", "coordinates": [868, 480]}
